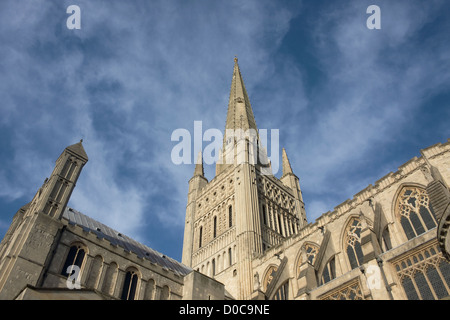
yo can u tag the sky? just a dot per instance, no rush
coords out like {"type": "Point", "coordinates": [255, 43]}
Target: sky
{"type": "Point", "coordinates": [351, 103]}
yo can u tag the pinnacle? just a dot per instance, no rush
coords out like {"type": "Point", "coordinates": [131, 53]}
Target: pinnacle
{"type": "Point", "coordinates": [199, 166]}
{"type": "Point", "coordinates": [287, 169]}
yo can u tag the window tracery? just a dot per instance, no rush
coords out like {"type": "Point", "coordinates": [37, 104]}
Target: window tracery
{"type": "Point", "coordinates": [350, 291]}
{"type": "Point", "coordinates": [415, 212]}
{"type": "Point", "coordinates": [311, 251]}
{"type": "Point", "coordinates": [353, 243]}
{"type": "Point", "coordinates": [424, 274]}
{"type": "Point", "coordinates": [269, 276]}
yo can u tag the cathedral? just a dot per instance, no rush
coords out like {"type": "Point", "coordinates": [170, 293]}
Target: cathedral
{"type": "Point", "coordinates": [246, 234]}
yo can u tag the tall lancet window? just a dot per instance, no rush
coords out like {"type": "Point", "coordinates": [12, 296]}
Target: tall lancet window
{"type": "Point", "coordinates": [200, 237]}
{"type": "Point", "coordinates": [215, 227]}
{"type": "Point", "coordinates": [264, 214]}
{"type": "Point", "coordinates": [129, 285]}
{"type": "Point", "coordinates": [329, 271]}
{"type": "Point", "coordinates": [74, 258]}
{"type": "Point", "coordinates": [230, 216]}
{"type": "Point", "coordinates": [283, 292]}
{"type": "Point", "coordinates": [353, 243]}
{"type": "Point", "coordinates": [73, 265]}
{"type": "Point", "coordinates": [414, 211]}
{"type": "Point", "coordinates": [69, 168]}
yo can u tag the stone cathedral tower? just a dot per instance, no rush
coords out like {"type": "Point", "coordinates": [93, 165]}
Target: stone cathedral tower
{"type": "Point", "coordinates": [244, 210]}
{"type": "Point", "coordinates": [246, 234]}
{"type": "Point", "coordinates": [29, 243]}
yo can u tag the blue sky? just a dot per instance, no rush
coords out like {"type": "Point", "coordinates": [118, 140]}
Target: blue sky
{"type": "Point", "coordinates": [351, 104]}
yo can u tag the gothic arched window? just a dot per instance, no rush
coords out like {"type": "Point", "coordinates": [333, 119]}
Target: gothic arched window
{"type": "Point", "coordinates": [230, 216]}
{"type": "Point", "coordinates": [414, 211]}
{"type": "Point", "coordinates": [129, 285]}
{"type": "Point", "coordinates": [329, 272]}
{"type": "Point", "coordinates": [269, 276]}
{"type": "Point", "coordinates": [200, 237]}
{"type": "Point", "coordinates": [74, 258]}
{"type": "Point", "coordinates": [424, 273]}
{"type": "Point", "coordinates": [311, 253]}
{"type": "Point", "coordinates": [282, 293]}
{"type": "Point", "coordinates": [353, 243]}
{"type": "Point", "coordinates": [215, 227]}
{"type": "Point", "coordinates": [386, 240]}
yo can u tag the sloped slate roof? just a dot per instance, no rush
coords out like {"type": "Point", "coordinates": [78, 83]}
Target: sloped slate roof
{"type": "Point", "coordinates": [88, 224]}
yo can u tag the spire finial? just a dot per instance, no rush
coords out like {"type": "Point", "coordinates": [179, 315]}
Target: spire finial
{"type": "Point", "coordinates": [81, 140]}
{"type": "Point", "coordinates": [235, 59]}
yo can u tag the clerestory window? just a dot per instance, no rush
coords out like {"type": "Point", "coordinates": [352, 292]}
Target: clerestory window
{"type": "Point", "coordinates": [75, 257]}
{"type": "Point", "coordinates": [414, 211]}
{"type": "Point", "coordinates": [129, 286]}
{"type": "Point", "coordinates": [353, 243]}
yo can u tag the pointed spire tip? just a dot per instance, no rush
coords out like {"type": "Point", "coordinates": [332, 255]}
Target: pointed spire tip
{"type": "Point", "coordinates": [286, 164]}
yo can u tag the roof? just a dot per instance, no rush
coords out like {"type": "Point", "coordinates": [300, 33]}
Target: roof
{"type": "Point", "coordinates": [78, 149]}
{"type": "Point", "coordinates": [116, 238]}
{"type": "Point", "coordinates": [32, 293]}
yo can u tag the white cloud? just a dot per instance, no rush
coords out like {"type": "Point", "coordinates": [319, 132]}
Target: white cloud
{"type": "Point", "coordinates": [100, 196]}
{"type": "Point", "coordinates": [133, 74]}
{"type": "Point", "coordinates": [375, 82]}
{"type": "Point", "coordinates": [123, 83]}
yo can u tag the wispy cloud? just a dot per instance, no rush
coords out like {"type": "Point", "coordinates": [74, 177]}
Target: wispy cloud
{"type": "Point", "coordinates": [343, 96]}
{"type": "Point", "coordinates": [376, 80]}
{"type": "Point", "coordinates": [133, 73]}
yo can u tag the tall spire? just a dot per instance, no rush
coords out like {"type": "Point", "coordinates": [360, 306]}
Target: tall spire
{"type": "Point", "coordinates": [287, 169]}
{"type": "Point", "coordinates": [240, 114]}
{"type": "Point", "coordinates": [240, 120]}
